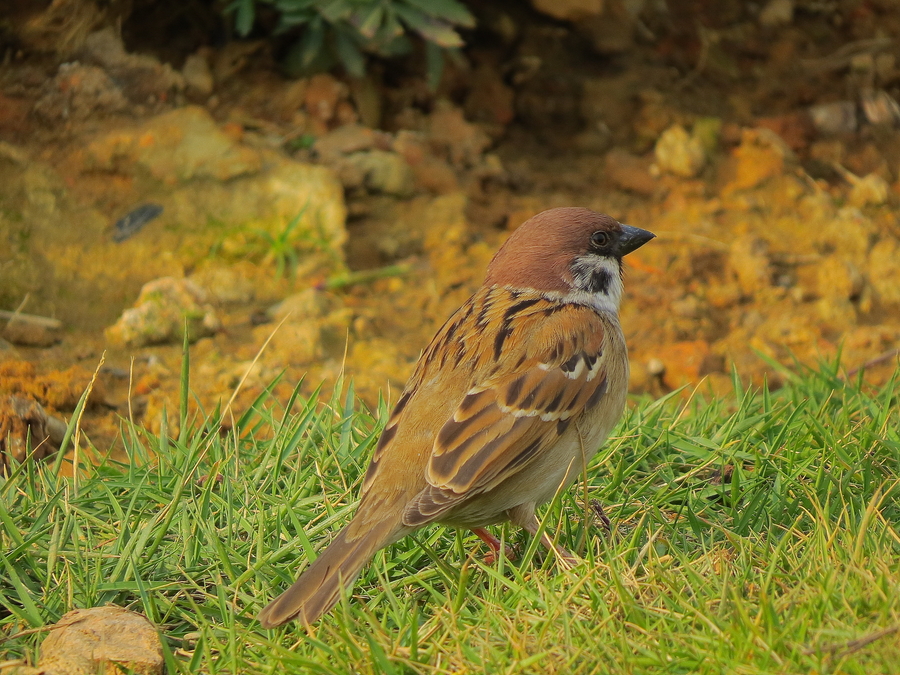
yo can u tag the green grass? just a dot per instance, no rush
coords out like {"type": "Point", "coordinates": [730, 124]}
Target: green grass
{"type": "Point", "coordinates": [755, 533]}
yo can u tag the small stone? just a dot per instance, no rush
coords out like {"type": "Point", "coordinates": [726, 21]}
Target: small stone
{"type": "Point", "coordinates": [345, 140]}
{"type": "Point", "coordinates": [838, 117]}
{"type": "Point", "coordinates": [384, 172]}
{"type": "Point", "coordinates": [26, 430]}
{"type": "Point", "coordinates": [462, 141]}
{"type": "Point", "coordinates": [159, 316]}
{"type": "Point", "coordinates": [79, 92]}
{"type": "Point", "coordinates": [879, 107]}
{"type": "Point", "coordinates": [102, 639]}
{"type": "Point", "coordinates": [197, 74]}
{"type": "Point", "coordinates": [678, 153]}
{"type": "Point", "coordinates": [777, 13]}
{"type": "Point", "coordinates": [869, 190]}
{"type": "Point", "coordinates": [322, 95]}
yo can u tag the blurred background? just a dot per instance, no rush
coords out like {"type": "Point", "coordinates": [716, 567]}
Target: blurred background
{"type": "Point", "coordinates": [311, 187]}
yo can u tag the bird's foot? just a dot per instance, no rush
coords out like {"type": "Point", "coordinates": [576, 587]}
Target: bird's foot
{"type": "Point", "coordinates": [494, 544]}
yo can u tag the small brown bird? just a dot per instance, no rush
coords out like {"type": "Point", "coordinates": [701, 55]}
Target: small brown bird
{"type": "Point", "coordinates": [515, 393]}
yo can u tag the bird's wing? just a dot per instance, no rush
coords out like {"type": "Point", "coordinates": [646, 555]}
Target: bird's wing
{"type": "Point", "coordinates": [538, 364]}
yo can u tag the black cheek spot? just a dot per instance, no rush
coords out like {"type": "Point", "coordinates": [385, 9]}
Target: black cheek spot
{"type": "Point", "coordinates": [600, 281]}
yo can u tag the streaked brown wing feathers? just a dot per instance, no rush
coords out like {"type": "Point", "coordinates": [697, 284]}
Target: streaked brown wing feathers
{"type": "Point", "coordinates": [517, 406]}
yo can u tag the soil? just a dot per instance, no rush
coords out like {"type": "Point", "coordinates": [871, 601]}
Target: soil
{"type": "Point", "coordinates": [761, 145]}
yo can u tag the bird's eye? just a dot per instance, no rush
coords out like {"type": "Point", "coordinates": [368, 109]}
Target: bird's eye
{"type": "Point", "coordinates": [600, 239]}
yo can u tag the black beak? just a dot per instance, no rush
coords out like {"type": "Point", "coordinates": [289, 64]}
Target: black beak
{"type": "Point", "coordinates": [631, 239]}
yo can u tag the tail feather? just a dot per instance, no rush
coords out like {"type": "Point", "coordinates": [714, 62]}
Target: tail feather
{"type": "Point", "coordinates": [318, 589]}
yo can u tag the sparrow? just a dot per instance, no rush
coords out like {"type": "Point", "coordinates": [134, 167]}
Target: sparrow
{"type": "Point", "coordinates": [507, 404]}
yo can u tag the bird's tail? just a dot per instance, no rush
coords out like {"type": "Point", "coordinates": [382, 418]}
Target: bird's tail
{"type": "Point", "coordinates": [319, 587]}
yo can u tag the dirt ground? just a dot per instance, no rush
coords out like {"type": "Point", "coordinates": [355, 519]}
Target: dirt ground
{"type": "Point", "coordinates": [760, 142]}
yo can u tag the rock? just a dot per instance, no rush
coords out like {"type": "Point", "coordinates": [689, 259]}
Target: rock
{"type": "Point", "coordinates": [883, 271]}
{"type": "Point", "coordinates": [384, 172]}
{"type": "Point", "coordinates": [348, 139]}
{"type": "Point", "coordinates": [322, 96]}
{"type": "Point", "coordinates": [28, 330]}
{"type": "Point", "coordinates": [462, 141]}
{"type": "Point", "coordinates": [163, 308]}
{"type": "Point", "coordinates": [879, 107]}
{"type": "Point", "coordinates": [749, 261]}
{"type": "Point", "coordinates": [777, 13]}
{"type": "Point", "coordinates": [79, 92]}
{"type": "Point", "coordinates": [197, 74]}
{"type": "Point", "coordinates": [179, 145]}
{"type": "Point", "coordinates": [677, 152]}
{"type": "Point", "coordinates": [224, 283]}
{"type": "Point", "coordinates": [838, 117]}
{"type": "Point", "coordinates": [761, 155]}
{"type": "Point", "coordinates": [869, 190]}
{"type": "Point", "coordinates": [102, 639]}
{"type": "Point", "coordinates": [629, 172]}
{"type": "Point", "coordinates": [569, 10]}
{"type": "Point", "coordinates": [315, 325]}
{"type": "Point", "coordinates": [141, 77]}
{"type": "Point", "coordinates": [27, 431]}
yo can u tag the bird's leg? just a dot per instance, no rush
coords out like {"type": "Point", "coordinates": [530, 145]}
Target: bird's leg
{"type": "Point", "coordinates": [564, 558]}
{"type": "Point", "coordinates": [494, 544]}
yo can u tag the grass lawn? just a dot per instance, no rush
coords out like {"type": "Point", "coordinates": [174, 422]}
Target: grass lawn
{"type": "Point", "coordinates": [754, 533]}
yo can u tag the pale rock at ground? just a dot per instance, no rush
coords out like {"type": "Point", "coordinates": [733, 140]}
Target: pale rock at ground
{"type": "Point", "coordinates": [384, 172]}
{"type": "Point", "coordinates": [322, 96]}
{"type": "Point", "coordinates": [197, 74]}
{"type": "Point", "coordinates": [26, 430]}
{"type": "Point", "coordinates": [102, 640]}
{"type": "Point", "coordinates": [679, 153]}
{"type": "Point", "coordinates": [225, 283]}
{"type": "Point", "coordinates": [141, 77]}
{"type": "Point", "coordinates": [163, 310]}
{"type": "Point", "coordinates": [777, 13]}
{"type": "Point", "coordinates": [308, 325]}
{"type": "Point", "coordinates": [79, 92]}
{"type": "Point", "coordinates": [462, 141]}
{"type": "Point", "coordinates": [870, 190]}
{"type": "Point", "coordinates": [348, 139]}
{"type": "Point", "coordinates": [179, 145]}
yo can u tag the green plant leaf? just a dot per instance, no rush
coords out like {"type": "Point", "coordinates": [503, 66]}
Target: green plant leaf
{"type": "Point", "coordinates": [433, 30]}
{"type": "Point", "coordinates": [434, 64]}
{"type": "Point", "coordinates": [349, 54]}
{"type": "Point", "coordinates": [368, 21]}
{"type": "Point", "coordinates": [244, 15]}
{"type": "Point", "coordinates": [448, 10]}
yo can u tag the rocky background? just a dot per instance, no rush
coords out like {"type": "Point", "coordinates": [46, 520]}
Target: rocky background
{"type": "Point", "coordinates": [156, 176]}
